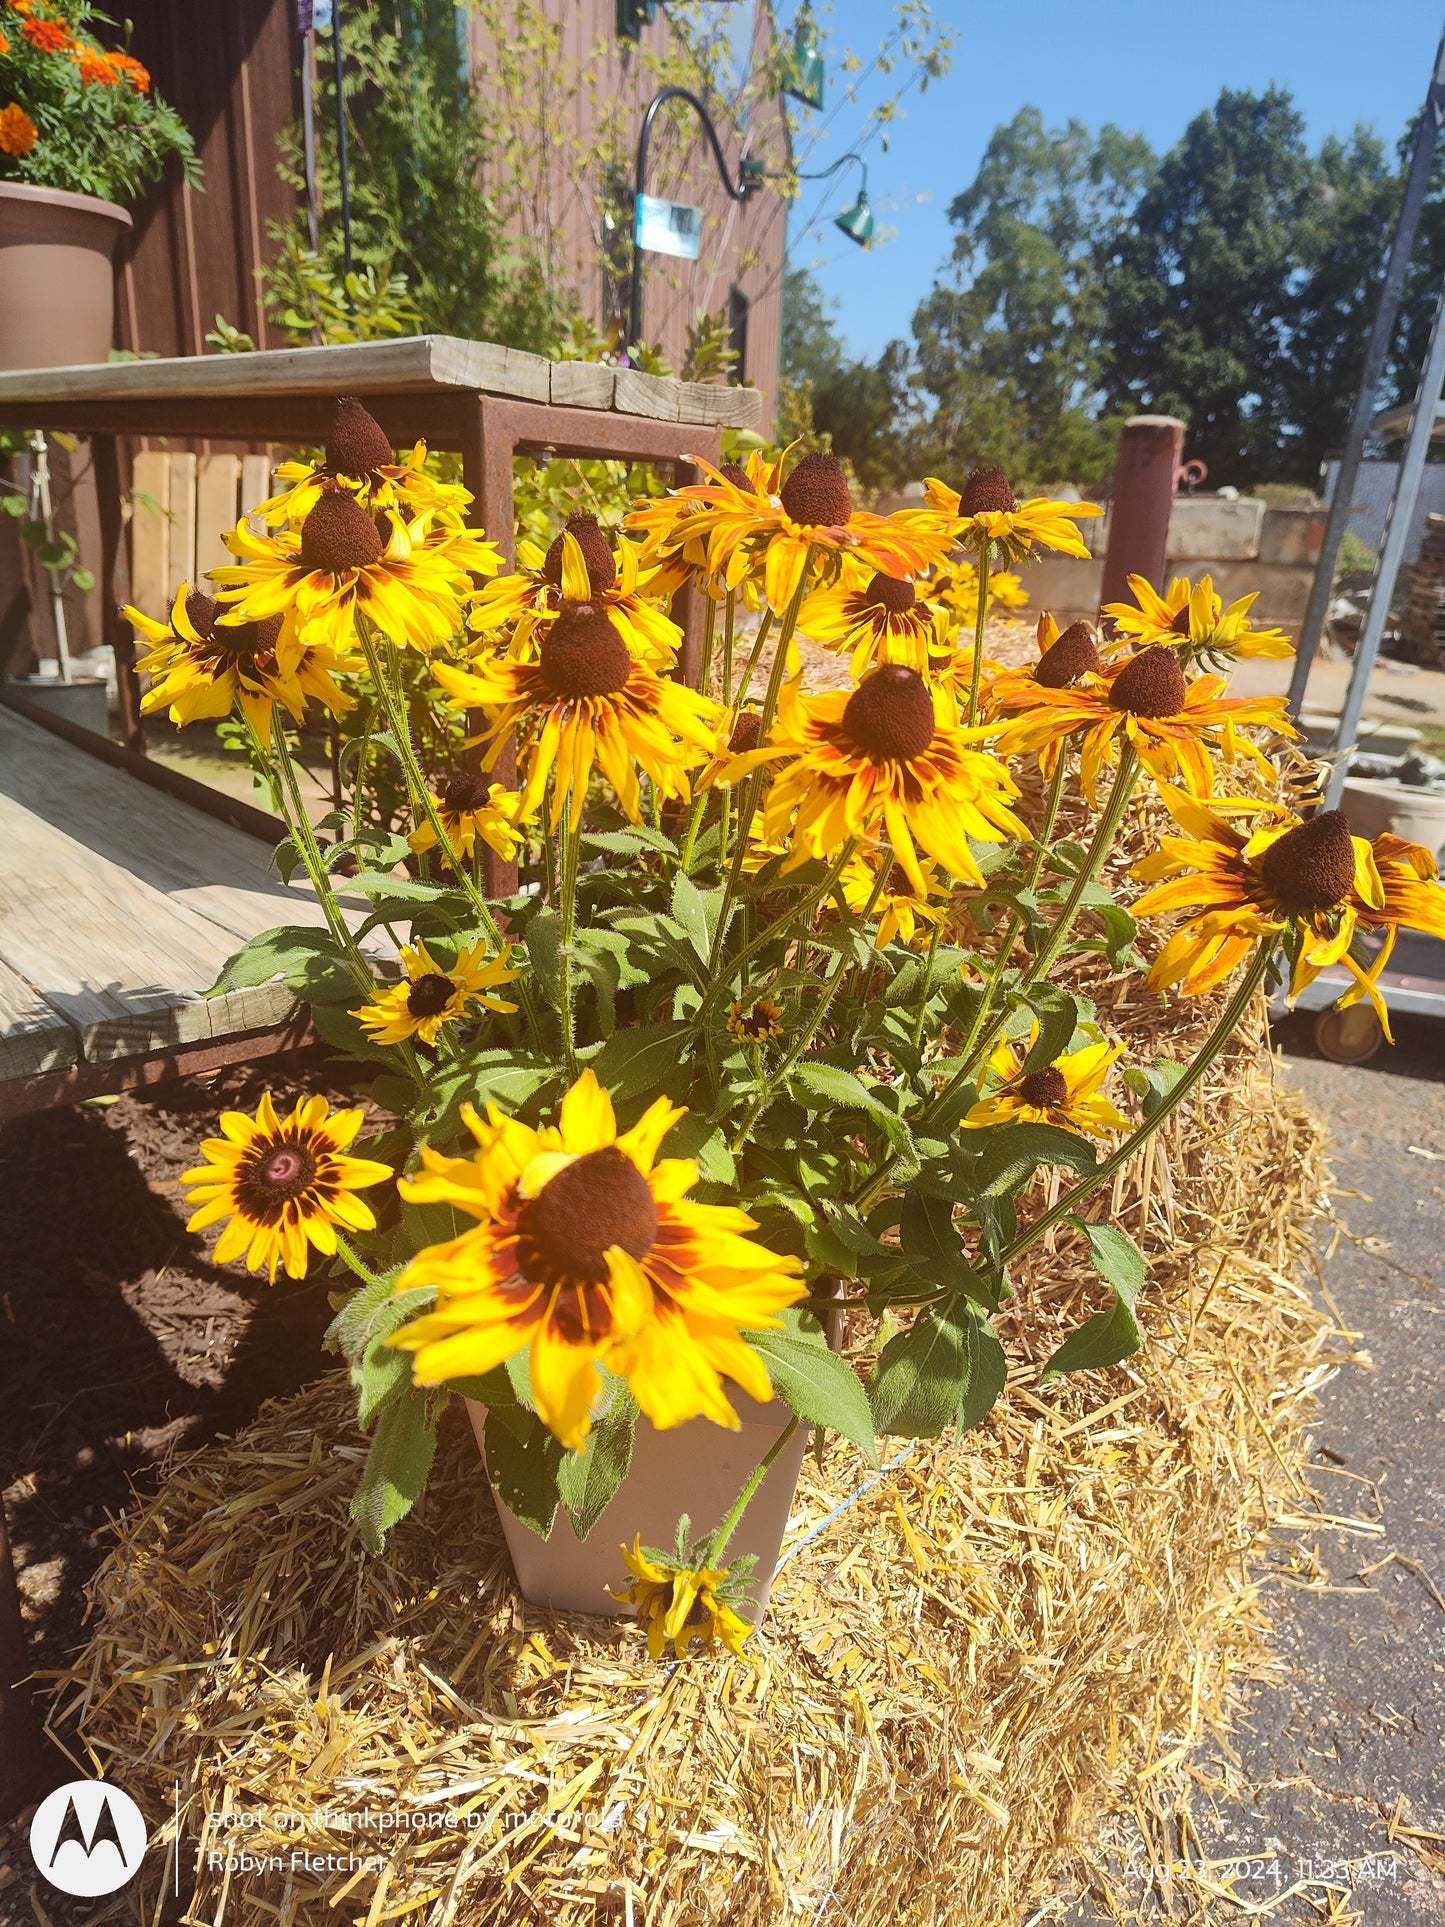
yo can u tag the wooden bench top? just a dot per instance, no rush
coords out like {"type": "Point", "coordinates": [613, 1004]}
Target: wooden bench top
{"type": "Point", "coordinates": [118, 907]}
{"type": "Point", "coordinates": [418, 364]}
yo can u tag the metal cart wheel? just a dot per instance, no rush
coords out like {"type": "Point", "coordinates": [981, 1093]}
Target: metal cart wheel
{"type": "Point", "coordinates": [1348, 1036]}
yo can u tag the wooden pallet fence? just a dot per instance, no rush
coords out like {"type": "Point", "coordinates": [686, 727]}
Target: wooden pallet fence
{"type": "Point", "coordinates": [181, 505]}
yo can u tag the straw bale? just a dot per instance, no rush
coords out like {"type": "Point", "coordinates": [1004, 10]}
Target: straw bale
{"type": "Point", "coordinates": [972, 1658]}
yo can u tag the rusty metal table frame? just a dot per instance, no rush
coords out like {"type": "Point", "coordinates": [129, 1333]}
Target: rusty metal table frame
{"type": "Point", "coordinates": [488, 431]}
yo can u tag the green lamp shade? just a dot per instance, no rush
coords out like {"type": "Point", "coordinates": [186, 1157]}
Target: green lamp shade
{"type": "Point", "coordinates": [857, 223]}
{"type": "Point", "coordinates": [805, 82]}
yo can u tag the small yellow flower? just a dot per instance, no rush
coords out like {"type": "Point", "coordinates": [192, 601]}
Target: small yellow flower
{"type": "Point", "coordinates": [358, 458]}
{"type": "Point", "coordinates": [580, 566]}
{"type": "Point", "coordinates": [1064, 1093]}
{"type": "Point", "coordinates": [756, 1020]}
{"type": "Point", "coordinates": [987, 510]}
{"type": "Point", "coordinates": [877, 617]}
{"type": "Point", "coordinates": [284, 1184]}
{"type": "Point", "coordinates": [1195, 619]}
{"type": "Point", "coordinates": [902, 912]}
{"type": "Point", "coordinates": [681, 1605]}
{"type": "Point", "coordinates": [433, 996]}
{"type": "Point", "coordinates": [471, 808]}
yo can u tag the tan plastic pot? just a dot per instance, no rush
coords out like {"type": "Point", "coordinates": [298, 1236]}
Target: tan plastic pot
{"type": "Point", "coordinates": [699, 1469]}
{"type": "Point", "coordinates": [57, 278]}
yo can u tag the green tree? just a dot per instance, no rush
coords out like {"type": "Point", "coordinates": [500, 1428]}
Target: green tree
{"type": "Point", "coordinates": [1009, 348]}
{"type": "Point", "coordinates": [862, 410]}
{"type": "Point", "coordinates": [1203, 277]}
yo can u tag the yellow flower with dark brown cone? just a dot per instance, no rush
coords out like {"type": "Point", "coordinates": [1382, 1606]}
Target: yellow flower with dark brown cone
{"type": "Point", "coordinates": [339, 565]}
{"type": "Point", "coordinates": [202, 664]}
{"type": "Point", "coordinates": [1311, 882]}
{"type": "Point", "coordinates": [585, 699]}
{"type": "Point", "coordinates": [579, 566]}
{"type": "Point", "coordinates": [1066, 657]}
{"type": "Point", "coordinates": [765, 530]}
{"type": "Point", "coordinates": [471, 810]}
{"type": "Point", "coordinates": [358, 458]}
{"type": "Point", "coordinates": [756, 1020]}
{"type": "Point", "coordinates": [1192, 617]}
{"type": "Point", "coordinates": [986, 509]}
{"type": "Point", "coordinates": [434, 995]}
{"type": "Point", "coordinates": [284, 1183]}
{"type": "Point", "coordinates": [1172, 721]}
{"type": "Point", "coordinates": [878, 619]}
{"type": "Point", "coordinates": [588, 1250]}
{"type": "Point", "coordinates": [900, 909]}
{"type": "Point", "coordinates": [888, 760]}
{"type": "Point", "coordinates": [681, 1606]}
{"type": "Point", "coordinates": [1065, 1093]}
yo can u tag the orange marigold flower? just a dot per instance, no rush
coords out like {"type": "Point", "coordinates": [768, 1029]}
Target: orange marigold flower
{"type": "Point", "coordinates": [17, 130]}
{"type": "Point", "coordinates": [48, 35]}
{"type": "Point", "coordinates": [126, 67]}
{"type": "Point", "coordinates": [94, 69]}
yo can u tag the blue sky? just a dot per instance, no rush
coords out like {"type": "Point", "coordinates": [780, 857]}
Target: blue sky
{"type": "Point", "coordinates": [1148, 65]}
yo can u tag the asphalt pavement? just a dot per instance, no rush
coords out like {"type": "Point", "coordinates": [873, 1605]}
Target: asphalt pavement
{"type": "Point", "coordinates": [1344, 1756]}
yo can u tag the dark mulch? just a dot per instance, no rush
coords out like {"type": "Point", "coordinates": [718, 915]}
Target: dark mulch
{"type": "Point", "coordinates": [119, 1339]}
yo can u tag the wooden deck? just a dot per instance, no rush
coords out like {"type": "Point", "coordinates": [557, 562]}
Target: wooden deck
{"type": "Point", "coordinates": [118, 907]}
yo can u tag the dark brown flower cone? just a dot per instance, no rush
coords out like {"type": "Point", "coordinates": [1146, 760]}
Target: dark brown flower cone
{"type": "Point", "coordinates": [1070, 656]}
{"type": "Point", "coordinates": [1150, 684]}
{"type": "Point", "coordinates": [1312, 867]}
{"type": "Point", "coordinates": [599, 1200]}
{"type": "Point", "coordinates": [888, 592]}
{"type": "Point", "coordinates": [987, 492]}
{"type": "Point", "coordinates": [1046, 1088]}
{"type": "Point", "coordinates": [338, 534]}
{"type": "Point", "coordinates": [891, 714]}
{"type": "Point", "coordinates": [357, 443]}
{"type": "Point", "coordinates": [816, 494]}
{"type": "Point", "coordinates": [587, 531]}
{"type": "Point", "coordinates": [583, 655]}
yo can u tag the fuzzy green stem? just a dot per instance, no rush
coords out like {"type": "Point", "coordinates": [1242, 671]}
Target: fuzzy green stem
{"type": "Point", "coordinates": [571, 845]}
{"type": "Point", "coordinates": [927, 991]}
{"type": "Point", "coordinates": [794, 914]}
{"type": "Point", "coordinates": [354, 1262]}
{"type": "Point", "coordinates": [394, 703]}
{"type": "Point", "coordinates": [1218, 1038]}
{"type": "Point", "coordinates": [694, 823]}
{"type": "Point", "coordinates": [754, 782]}
{"type": "Point", "coordinates": [293, 808]}
{"type": "Point", "coordinates": [985, 549]}
{"type": "Point", "coordinates": [759, 642]}
{"type": "Point", "coordinates": [728, 615]}
{"type": "Point", "coordinates": [709, 629]}
{"type": "Point", "coordinates": [780, 1075]}
{"type": "Point", "coordinates": [717, 1543]}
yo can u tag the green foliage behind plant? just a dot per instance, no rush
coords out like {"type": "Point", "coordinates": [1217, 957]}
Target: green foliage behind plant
{"type": "Point", "coordinates": [79, 116]}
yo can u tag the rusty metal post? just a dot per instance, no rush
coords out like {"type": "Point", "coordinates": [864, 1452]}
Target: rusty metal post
{"type": "Point", "coordinates": [20, 1755]}
{"type": "Point", "coordinates": [1144, 478]}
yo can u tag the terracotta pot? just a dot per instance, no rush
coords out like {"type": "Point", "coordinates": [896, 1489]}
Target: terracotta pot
{"type": "Point", "coordinates": [699, 1469]}
{"type": "Point", "coordinates": [57, 282]}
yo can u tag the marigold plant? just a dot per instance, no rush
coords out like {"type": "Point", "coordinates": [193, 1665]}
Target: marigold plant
{"type": "Point", "coordinates": [744, 998]}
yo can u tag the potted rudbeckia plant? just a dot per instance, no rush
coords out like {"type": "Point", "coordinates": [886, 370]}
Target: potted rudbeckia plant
{"type": "Point", "coordinates": [81, 131]}
{"type": "Point", "coordinates": [749, 1015]}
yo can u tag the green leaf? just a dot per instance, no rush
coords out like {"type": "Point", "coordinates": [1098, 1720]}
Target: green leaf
{"type": "Point", "coordinates": [339, 1027]}
{"type": "Point", "coordinates": [544, 943]}
{"type": "Point", "coordinates": [380, 883]}
{"type": "Point", "coordinates": [634, 1062]}
{"type": "Point", "coordinates": [361, 1315]}
{"type": "Point", "coordinates": [308, 960]}
{"type": "Point", "coordinates": [1015, 1151]}
{"type": "Point", "coordinates": [379, 1375]}
{"type": "Point", "coordinates": [697, 1136]}
{"type": "Point", "coordinates": [695, 913]}
{"type": "Point", "coordinates": [817, 1384]}
{"type": "Point", "coordinates": [1058, 1014]}
{"type": "Point", "coordinates": [987, 1370]}
{"type": "Point", "coordinates": [921, 1376]}
{"type": "Point", "coordinates": [630, 842]}
{"type": "Point", "coordinates": [1152, 1085]}
{"type": "Point", "coordinates": [396, 1468]}
{"type": "Point", "coordinates": [523, 1466]}
{"type": "Point", "coordinates": [819, 1086]}
{"type": "Point", "coordinates": [587, 1480]}
{"type": "Point", "coordinates": [1112, 1335]}
{"type": "Point", "coordinates": [932, 1244]}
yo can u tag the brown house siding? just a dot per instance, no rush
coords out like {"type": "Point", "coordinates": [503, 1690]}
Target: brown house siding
{"type": "Point", "coordinates": [230, 68]}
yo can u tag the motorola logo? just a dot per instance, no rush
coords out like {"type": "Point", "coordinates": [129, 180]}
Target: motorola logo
{"type": "Point", "coordinates": [88, 1838]}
